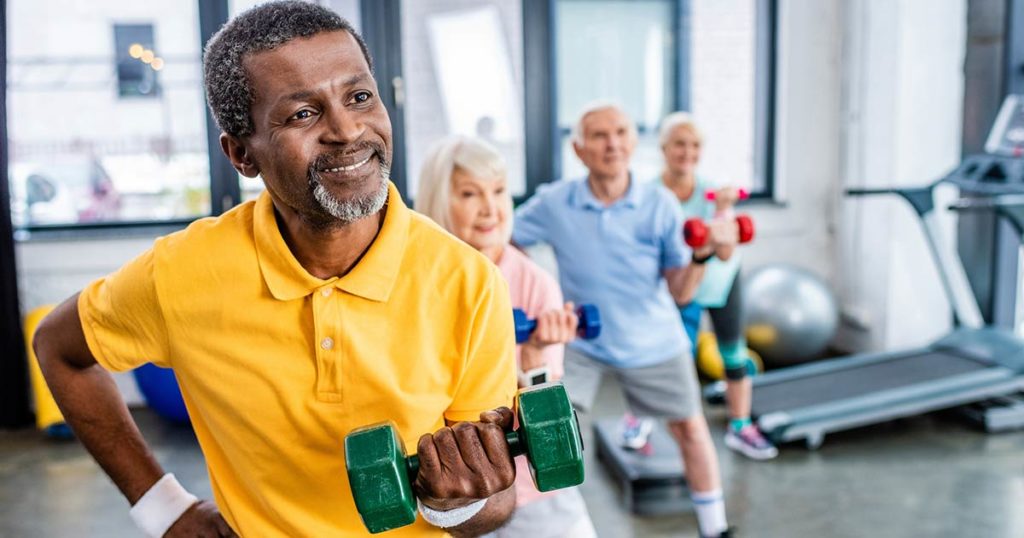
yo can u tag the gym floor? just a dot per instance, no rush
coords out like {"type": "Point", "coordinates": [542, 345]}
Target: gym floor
{"type": "Point", "coordinates": [929, 476]}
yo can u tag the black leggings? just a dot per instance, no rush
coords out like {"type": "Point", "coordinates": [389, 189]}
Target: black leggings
{"type": "Point", "coordinates": [727, 319]}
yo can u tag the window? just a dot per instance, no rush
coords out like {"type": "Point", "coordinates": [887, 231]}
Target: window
{"type": "Point", "coordinates": [93, 136]}
{"type": "Point", "coordinates": [620, 51]}
{"type": "Point", "coordinates": [713, 58]}
{"type": "Point", "coordinates": [463, 74]}
{"type": "Point", "coordinates": [137, 62]}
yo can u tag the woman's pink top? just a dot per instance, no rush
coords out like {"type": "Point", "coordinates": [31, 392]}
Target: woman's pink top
{"type": "Point", "coordinates": [533, 291]}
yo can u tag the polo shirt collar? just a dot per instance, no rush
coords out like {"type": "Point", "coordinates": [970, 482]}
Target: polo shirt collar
{"type": "Point", "coordinates": [584, 198]}
{"type": "Point", "coordinates": [373, 277]}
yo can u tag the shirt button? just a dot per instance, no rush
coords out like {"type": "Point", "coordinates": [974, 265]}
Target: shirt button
{"type": "Point", "coordinates": [327, 343]}
{"type": "Point", "coordinates": [326, 292]}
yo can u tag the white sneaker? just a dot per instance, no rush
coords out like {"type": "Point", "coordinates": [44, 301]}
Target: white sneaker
{"type": "Point", "coordinates": [636, 431]}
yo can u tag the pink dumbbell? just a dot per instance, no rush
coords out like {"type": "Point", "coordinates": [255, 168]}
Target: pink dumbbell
{"type": "Point", "coordinates": [710, 195]}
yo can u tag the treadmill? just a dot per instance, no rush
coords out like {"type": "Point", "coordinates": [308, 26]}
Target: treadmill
{"type": "Point", "coordinates": [1003, 413]}
{"type": "Point", "coordinates": [972, 363]}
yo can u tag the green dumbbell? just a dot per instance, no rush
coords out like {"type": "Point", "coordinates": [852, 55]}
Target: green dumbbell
{"type": "Point", "coordinates": [381, 475]}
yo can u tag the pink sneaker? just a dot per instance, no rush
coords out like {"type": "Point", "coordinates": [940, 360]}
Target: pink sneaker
{"type": "Point", "coordinates": [751, 443]}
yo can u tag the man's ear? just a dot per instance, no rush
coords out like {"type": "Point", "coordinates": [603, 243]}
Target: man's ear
{"type": "Point", "coordinates": [238, 154]}
{"type": "Point", "coordinates": [576, 149]}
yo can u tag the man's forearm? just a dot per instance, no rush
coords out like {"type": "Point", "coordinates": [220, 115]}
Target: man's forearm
{"type": "Point", "coordinates": [494, 514]}
{"type": "Point", "coordinates": [93, 407]}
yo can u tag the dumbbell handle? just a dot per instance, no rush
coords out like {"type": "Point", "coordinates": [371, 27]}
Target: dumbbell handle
{"type": "Point", "coordinates": [743, 194]}
{"type": "Point", "coordinates": [515, 448]}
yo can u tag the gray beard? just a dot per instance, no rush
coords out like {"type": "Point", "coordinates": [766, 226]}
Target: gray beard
{"type": "Point", "coordinates": [348, 211]}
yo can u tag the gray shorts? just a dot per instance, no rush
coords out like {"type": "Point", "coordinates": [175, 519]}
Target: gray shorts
{"type": "Point", "coordinates": [563, 515]}
{"type": "Point", "coordinates": [666, 390]}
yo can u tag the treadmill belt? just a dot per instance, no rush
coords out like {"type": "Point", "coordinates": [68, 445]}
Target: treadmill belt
{"type": "Point", "coordinates": [860, 380]}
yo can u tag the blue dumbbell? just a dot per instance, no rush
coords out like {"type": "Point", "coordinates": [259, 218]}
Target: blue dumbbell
{"type": "Point", "coordinates": [589, 327]}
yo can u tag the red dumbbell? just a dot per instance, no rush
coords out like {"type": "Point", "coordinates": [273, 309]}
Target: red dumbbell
{"type": "Point", "coordinates": [695, 231]}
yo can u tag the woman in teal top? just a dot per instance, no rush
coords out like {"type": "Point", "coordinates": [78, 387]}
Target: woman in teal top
{"type": "Point", "coordinates": [719, 291]}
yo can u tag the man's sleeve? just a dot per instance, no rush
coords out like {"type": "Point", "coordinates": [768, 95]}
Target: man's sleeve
{"type": "Point", "coordinates": [488, 380]}
{"type": "Point", "coordinates": [122, 319]}
{"type": "Point", "coordinates": [531, 222]}
{"type": "Point", "coordinates": [674, 252]}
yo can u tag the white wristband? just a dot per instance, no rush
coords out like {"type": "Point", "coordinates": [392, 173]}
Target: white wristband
{"type": "Point", "coordinates": [447, 519]}
{"type": "Point", "coordinates": [161, 506]}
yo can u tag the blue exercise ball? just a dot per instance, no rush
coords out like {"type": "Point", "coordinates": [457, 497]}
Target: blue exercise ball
{"type": "Point", "coordinates": [790, 314]}
{"type": "Point", "coordinates": [160, 389]}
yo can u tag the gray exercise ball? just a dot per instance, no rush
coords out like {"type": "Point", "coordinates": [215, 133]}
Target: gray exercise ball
{"type": "Point", "coordinates": [790, 314]}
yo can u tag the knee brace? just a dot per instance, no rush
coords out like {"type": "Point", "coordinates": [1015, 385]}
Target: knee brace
{"type": "Point", "coordinates": [737, 364]}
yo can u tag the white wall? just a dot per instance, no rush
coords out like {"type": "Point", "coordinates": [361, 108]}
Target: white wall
{"type": "Point", "coordinates": [902, 115]}
{"type": "Point", "coordinates": [800, 228]}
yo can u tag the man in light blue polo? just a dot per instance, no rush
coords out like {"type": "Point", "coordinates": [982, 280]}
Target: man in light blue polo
{"type": "Point", "coordinates": [619, 246]}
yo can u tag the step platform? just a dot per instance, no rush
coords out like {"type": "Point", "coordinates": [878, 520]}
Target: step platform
{"type": "Point", "coordinates": [652, 481]}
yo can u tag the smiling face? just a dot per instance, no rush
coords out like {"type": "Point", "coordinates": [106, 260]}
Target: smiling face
{"type": "Point", "coordinates": [479, 211]}
{"type": "Point", "coordinates": [682, 150]}
{"type": "Point", "coordinates": [321, 136]}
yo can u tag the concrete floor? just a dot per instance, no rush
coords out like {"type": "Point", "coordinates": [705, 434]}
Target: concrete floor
{"type": "Point", "coordinates": [930, 476]}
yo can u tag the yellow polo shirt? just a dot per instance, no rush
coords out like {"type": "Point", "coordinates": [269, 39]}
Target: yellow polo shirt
{"type": "Point", "coordinates": [276, 366]}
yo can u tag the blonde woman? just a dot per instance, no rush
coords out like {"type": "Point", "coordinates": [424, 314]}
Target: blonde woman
{"type": "Point", "coordinates": [463, 187]}
{"type": "Point", "coordinates": [719, 292]}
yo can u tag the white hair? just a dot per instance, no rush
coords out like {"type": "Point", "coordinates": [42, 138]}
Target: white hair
{"type": "Point", "coordinates": [598, 106]}
{"type": "Point", "coordinates": [474, 157]}
{"type": "Point", "coordinates": [675, 120]}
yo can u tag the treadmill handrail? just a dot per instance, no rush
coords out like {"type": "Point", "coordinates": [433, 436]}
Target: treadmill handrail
{"type": "Point", "coordinates": [951, 269]}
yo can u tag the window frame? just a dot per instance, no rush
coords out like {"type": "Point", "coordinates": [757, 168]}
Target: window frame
{"type": "Point", "coordinates": [14, 397]}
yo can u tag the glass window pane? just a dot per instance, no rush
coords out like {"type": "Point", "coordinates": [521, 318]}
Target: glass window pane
{"type": "Point", "coordinates": [105, 112]}
{"type": "Point", "coordinates": [621, 51]}
{"type": "Point", "coordinates": [463, 74]}
{"type": "Point", "coordinates": [627, 52]}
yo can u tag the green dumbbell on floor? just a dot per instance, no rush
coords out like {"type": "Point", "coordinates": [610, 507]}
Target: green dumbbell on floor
{"type": "Point", "coordinates": [381, 475]}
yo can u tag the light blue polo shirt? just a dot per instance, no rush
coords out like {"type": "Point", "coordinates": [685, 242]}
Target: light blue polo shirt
{"type": "Point", "coordinates": [613, 257]}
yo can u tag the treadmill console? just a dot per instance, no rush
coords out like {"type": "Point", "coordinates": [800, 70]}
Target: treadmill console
{"type": "Point", "coordinates": [1000, 170]}
{"type": "Point", "coordinates": [1007, 135]}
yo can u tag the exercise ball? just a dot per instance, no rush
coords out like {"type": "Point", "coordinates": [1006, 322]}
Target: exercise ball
{"type": "Point", "coordinates": [160, 389]}
{"type": "Point", "coordinates": [709, 358]}
{"type": "Point", "coordinates": [790, 314]}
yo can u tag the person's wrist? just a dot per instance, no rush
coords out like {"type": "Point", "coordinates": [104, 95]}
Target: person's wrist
{"type": "Point", "coordinates": [162, 504]}
{"type": "Point", "coordinates": [701, 258]}
{"type": "Point", "coordinates": [452, 517]}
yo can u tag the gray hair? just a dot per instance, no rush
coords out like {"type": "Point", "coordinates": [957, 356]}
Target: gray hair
{"type": "Point", "coordinates": [675, 120]}
{"type": "Point", "coordinates": [473, 156]}
{"type": "Point", "coordinates": [597, 106]}
{"type": "Point", "coordinates": [264, 27]}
